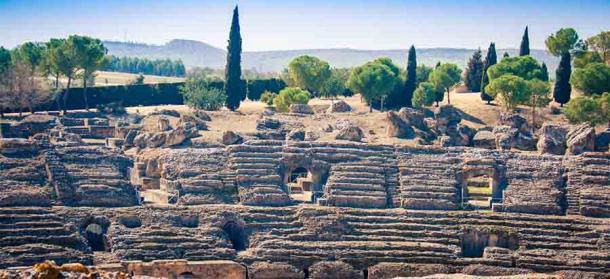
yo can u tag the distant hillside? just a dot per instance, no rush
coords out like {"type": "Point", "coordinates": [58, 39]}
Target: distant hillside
{"type": "Point", "coordinates": [195, 53]}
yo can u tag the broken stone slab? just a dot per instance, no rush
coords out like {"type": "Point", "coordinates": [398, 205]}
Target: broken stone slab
{"type": "Point", "coordinates": [296, 135]}
{"type": "Point", "coordinates": [484, 139]}
{"type": "Point", "coordinates": [351, 133]}
{"type": "Point", "coordinates": [230, 137]}
{"type": "Point", "coordinates": [602, 141]}
{"type": "Point", "coordinates": [580, 138]}
{"type": "Point", "coordinates": [552, 139]}
{"type": "Point", "coordinates": [301, 109]}
{"type": "Point", "coordinates": [340, 106]}
{"type": "Point", "coordinates": [397, 127]}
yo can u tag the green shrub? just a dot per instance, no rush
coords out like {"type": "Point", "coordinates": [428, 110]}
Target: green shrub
{"type": "Point", "coordinates": [424, 95]}
{"type": "Point", "coordinates": [267, 97]}
{"type": "Point", "coordinates": [289, 96]}
{"type": "Point", "coordinates": [589, 109]}
{"type": "Point", "coordinates": [199, 93]}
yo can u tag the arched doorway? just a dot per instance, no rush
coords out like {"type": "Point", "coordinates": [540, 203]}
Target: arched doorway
{"type": "Point", "coordinates": [300, 184]}
{"type": "Point", "coordinates": [473, 242]}
{"type": "Point", "coordinates": [94, 233]}
{"type": "Point", "coordinates": [186, 275]}
{"type": "Point", "coordinates": [236, 235]}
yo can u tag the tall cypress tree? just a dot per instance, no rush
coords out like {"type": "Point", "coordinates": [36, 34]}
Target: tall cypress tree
{"type": "Point", "coordinates": [474, 72]}
{"type": "Point", "coordinates": [411, 82]}
{"type": "Point", "coordinates": [525, 44]}
{"type": "Point", "coordinates": [233, 84]}
{"type": "Point", "coordinates": [490, 60]}
{"type": "Point", "coordinates": [545, 72]}
{"type": "Point", "coordinates": [563, 88]}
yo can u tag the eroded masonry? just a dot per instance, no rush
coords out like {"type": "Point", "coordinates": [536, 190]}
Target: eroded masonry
{"type": "Point", "coordinates": [292, 208]}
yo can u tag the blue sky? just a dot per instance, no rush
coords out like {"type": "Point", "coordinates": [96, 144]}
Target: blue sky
{"type": "Point", "coordinates": [275, 24]}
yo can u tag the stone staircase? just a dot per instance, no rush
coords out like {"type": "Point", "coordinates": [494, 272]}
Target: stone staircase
{"type": "Point", "coordinates": [429, 181]}
{"type": "Point", "coordinates": [31, 235]}
{"type": "Point", "coordinates": [92, 128]}
{"type": "Point", "coordinates": [588, 185]}
{"type": "Point", "coordinates": [358, 184]}
{"type": "Point", "coordinates": [256, 164]}
{"type": "Point", "coordinates": [23, 181]}
{"type": "Point", "coordinates": [95, 176]}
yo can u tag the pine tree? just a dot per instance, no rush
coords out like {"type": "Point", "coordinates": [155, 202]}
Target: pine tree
{"type": "Point", "coordinates": [563, 88]}
{"type": "Point", "coordinates": [525, 44]}
{"type": "Point", "coordinates": [506, 55]}
{"type": "Point", "coordinates": [474, 72]}
{"type": "Point", "coordinates": [411, 82]}
{"type": "Point", "coordinates": [233, 84]}
{"type": "Point", "coordinates": [490, 60]}
{"type": "Point", "coordinates": [545, 72]}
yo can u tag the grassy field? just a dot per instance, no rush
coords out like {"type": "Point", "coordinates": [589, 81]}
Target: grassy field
{"type": "Point", "coordinates": [115, 78]}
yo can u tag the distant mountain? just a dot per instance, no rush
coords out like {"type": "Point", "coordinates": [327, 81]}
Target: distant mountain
{"type": "Point", "coordinates": [195, 53]}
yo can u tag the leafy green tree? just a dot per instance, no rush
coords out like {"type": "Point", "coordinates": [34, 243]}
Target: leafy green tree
{"type": "Point", "coordinates": [30, 54]}
{"type": "Point", "coordinates": [509, 90]}
{"type": "Point", "coordinates": [545, 72]}
{"type": "Point", "coordinates": [423, 73]}
{"type": "Point", "coordinates": [505, 55]}
{"type": "Point", "coordinates": [490, 60]}
{"type": "Point", "coordinates": [309, 73]}
{"type": "Point", "coordinates": [592, 79]}
{"type": "Point", "coordinates": [374, 80]}
{"type": "Point", "coordinates": [525, 67]}
{"type": "Point", "coordinates": [198, 93]}
{"type": "Point", "coordinates": [234, 86]}
{"type": "Point", "coordinates": [332, 87]}
{"type": "Point", "coordinates": [411, 81]}
{"type": "Point", "coordinates": [289, 96]}
{"type": "Point", "coordinates": [583, 58]}
{"type": "Point", "coordinates": [525, 44]}
{"type": "Point", "coordinates": [424, 95]}
{"type": "Point", "coordinates": [539, 96]}
{"type": "Point", "coordinates": [66, 63]}
{"type": "Point", "coordinates": [444, 78]}
{"type": "Point", "coordinates": [562, 44]}
{"type": "Point", "coordinates": [474, 72]}
{"type": "Point", "coordinates": [5, 66]}
{"type": "Point", "coordinates": [601, 44]}
{"type": "Point", "coordinates": [90, 57]}
{"type": "Point", "coordinates": [267, 97]}
{"type": "Point", "coordinates": [592, 109]}
{"type": "Point", "coordinates": [50, 64]}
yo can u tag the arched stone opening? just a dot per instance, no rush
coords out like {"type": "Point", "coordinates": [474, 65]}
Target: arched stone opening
{"type": "Point", "coordinates": [473, 242]}
{"type": "Point", "coordinates": [236, 235]}
{"type": "Point", "coordinates": [96, 237]}
{"type": "Point", "coordinates": [481, 185]}
{"type": "Point", "coordinates": [303, 177]}
{"type": "Point", "coordinates": [186, 275]}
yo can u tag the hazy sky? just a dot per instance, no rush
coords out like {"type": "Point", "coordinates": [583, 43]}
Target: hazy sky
{"type": "Point", "coordinates": [275, 24]}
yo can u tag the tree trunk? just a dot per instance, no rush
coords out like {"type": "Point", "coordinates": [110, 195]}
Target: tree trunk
{"type": "Point", "coordinates": [56, 82]}
{"type": "Point", "coordinates": [561, 105]}
{"type": "Point", "coordinates": [85, 92]}
{"type": "Point", "coordinates": [448, 100]}
{"type": "Point", "coordinates": [371, 108]}
{"type": "Point", "coordinates": [66, 95]}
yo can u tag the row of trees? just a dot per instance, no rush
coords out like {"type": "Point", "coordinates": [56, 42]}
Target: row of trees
{"type": "Point", "coordinates": [135, 65]}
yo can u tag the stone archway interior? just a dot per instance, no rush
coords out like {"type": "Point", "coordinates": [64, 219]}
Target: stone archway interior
{"type": "Point", "coordinates": [186, 275]}
{"type": "Point", "coordinates": [236, 235]}
{"type": "Point", "coordinates": [94, 233]}
{"type": "Point", "coordinates": [474, 242]}
{"type": "Point", "coordinates": [300, 184]}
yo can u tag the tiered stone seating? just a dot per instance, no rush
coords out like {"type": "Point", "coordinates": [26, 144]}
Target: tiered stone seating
{"type": "Point", "coordinates": [95, 128]}
{"type": "Point", "coordinates": [95, 175]}
{"type": "Point", "coordinates": [30, 235]}
{"type": "Point", "coordinates": [429, 180]}
{"type": "Point", "coordinates": [534, 185]}
{"type": "Point", "coordinates": [256, 172]}
{"type": "Point", "coordinates": [588, 185]}
{"type": "Point", "coordinates": [198, 175]}
{"type": "Point", "coordinates": [23, 180]}
{"type": "Point", "coordinates": [358, 184]}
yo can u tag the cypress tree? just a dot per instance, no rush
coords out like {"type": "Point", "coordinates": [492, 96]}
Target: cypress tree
{"type": "Point", "coordinates": [233, 84]}
{"type": "Point", "coordinates": [474, 72]}
{"type": "Point", "coordinates": [563, 88]}
{"type": "Point", "coordinates": [545, 72]}
{"type": "Point", "coordinates": [525, 44]}
{"type": "Point", "coordinates": [490, 60]}
{"type": "Point", "coordinates": [411, 81]}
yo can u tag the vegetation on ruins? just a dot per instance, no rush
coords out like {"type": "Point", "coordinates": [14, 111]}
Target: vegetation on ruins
{"type": "Point", "coordinates": [267, 97]}
{"type": "Point", "coordinates": [375, 80]}
{"type": "Point", "coordinates": [509, 90]}
{"type": "Point", "coordinates": [594, 78]}
{"type": "Point", "coordinates": [234, 87]}
{"type": "Point", "coordinates": [444, 78]}
{"type": "Point", "coordinates": [593, 109]}
{"type": "Point", "coordinates": [545, 72]}
{"type": "Point", "coordinates": [332, 87]}
{"type": "Point", "coordinates": [137, 65]}
{"type": "Point", "coordinates": [490, 60]}
{"type": "Point", "coordinates": [525, 67]}
{"type": "Point", "coordinates": [524, 49]}
{"type": "Point", "coordinates": [474, 72]}
{"type": "Point", "coordinates": [309, 73]}
{"type": "Point", "coordinates": [289, 96]}
{"type": "Point", "coordinates": [562, 44]}
{"type": "Point", "coordinates": [538, 96]}
{"type": "Point", "coordinates": [199, 93]}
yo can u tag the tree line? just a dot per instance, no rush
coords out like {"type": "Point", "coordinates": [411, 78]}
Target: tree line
{"type": "Point", "coordinates": [136, 65]}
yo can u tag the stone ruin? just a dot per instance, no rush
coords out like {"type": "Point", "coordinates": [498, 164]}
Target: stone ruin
{"type": "Point", "coordinates": [138, 197]}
